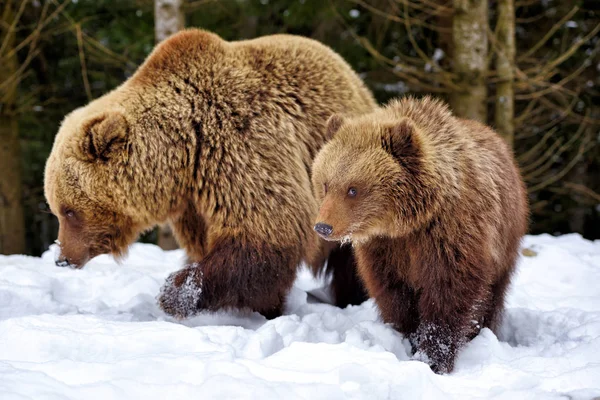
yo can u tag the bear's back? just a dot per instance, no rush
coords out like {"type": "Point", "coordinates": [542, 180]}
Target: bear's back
{"type": "Point", "coordinates": [476, 173]}
{"type": "Point", "coordinates": [255, 113]}
{"type": "Point", "coordinates": [282, 86]}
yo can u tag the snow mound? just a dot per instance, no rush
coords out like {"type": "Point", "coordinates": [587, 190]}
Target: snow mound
{"type": "Point", "coordinates": [97, 333]}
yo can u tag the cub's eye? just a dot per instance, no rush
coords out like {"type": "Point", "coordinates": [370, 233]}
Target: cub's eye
{"type": "Point", "coordinates": [325, 188]}
{"type": "Point", "coordinates": [69, 213]}
{"type": "Point", "coordinates": [352, 192]}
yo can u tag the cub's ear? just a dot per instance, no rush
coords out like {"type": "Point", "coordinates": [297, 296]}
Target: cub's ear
{"type": "Point", "coordinates": [400, 140]}
{"type": "Point", "coordinates": [104, 136]}
{"type": "Point", "coordinates": [334, 123]}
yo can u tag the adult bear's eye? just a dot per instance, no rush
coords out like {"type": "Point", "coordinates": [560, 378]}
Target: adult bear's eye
{"type": "Point", "coordinates": [352, 192]}
{"type": "Point", "coordinates": [325, 188]}
{"type": "Point", "coordinates": [68, 213]}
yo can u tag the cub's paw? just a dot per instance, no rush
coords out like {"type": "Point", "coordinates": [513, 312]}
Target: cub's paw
{"type": "Point", "coordinates": [437, 346]}
{"type": "Point", "coordinates": [181, 295]}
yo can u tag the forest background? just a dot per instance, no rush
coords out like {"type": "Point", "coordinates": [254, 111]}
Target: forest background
{"type": "Point", "coordinates": [529, 68]}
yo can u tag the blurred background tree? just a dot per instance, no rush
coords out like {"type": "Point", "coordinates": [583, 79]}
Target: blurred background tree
{"type": "Point", "coordinates": [12, 224]}
{"type": "Point", "coordinates": [169, 18]}
{"type": "Point", "coordinates": [527, 67]}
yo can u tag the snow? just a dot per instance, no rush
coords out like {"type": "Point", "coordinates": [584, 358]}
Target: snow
{"type": "Point", "coordinates": [97, 333]}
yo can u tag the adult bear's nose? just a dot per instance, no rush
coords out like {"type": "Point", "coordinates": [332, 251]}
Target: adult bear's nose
{"type": "Point", "coordinates": [323, 229]}
{"type": "Point", "coordinates": [62, 262]}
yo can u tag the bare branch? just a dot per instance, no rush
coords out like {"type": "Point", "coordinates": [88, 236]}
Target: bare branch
{"type": "Point", "coordinates": [538, 146]}
{"type": "Point", "coordinates": [395, 18]}
{"type": "Point", "coordinates": [86, 82]}
{"type": "Point", "coordinates": [13, 25]}
{"type": "Point", "coordinates": [549, 34]}
{"type": "Point", "coordinates": [583, 190]}
{"type": "Point", "coordinates": [558, 176]}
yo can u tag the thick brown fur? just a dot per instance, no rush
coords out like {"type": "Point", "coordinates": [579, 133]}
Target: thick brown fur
{"type": "Point", "coordinates": [216, 138]}
{"type": "Point", "coordinates": [436, 218]}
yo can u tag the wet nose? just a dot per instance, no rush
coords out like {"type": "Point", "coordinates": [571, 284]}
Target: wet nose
{"type": "Point", "coordinates": [323, 229]}
{"type": "Point", "coordinates": [62, 262]}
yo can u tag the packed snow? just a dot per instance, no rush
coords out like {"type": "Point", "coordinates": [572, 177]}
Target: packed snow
{"type": "Point", "coordinates": [97, 333]}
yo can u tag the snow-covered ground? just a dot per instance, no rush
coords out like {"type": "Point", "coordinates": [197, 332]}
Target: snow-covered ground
{"type": "Point", "coordinates": [98, 334]}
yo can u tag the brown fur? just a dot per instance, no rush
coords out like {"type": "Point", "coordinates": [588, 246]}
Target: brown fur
{"type": "Point", "coordinates": [436, 222]}
{"type": "Point", "coordinates": [217, 138]}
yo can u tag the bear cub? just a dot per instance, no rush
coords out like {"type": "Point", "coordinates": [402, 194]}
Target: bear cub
{"type": "Point", "coordinates": [435, 208]}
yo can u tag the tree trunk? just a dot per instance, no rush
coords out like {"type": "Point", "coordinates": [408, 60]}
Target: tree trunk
{"type": "Point", "coordinates": [505, 58]}
{"type": "Point", "coordinates": [168, 19]}
{"type": "Point", "coordinates": [469, 34]}
{"type": "Point", "coordinates": [12, 223]}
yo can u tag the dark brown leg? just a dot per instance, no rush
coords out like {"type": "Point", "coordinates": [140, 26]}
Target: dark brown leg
{"type": "Point", "coordinates": [493, 317]}
{"type": "Point", "coordinates": [380, 262]}
{"type": "Point", "coordinates": [345, 283]}
{"type": "Point", "coordinates": [190, 230]}
{"type": "Point", "coordinates": [446, 308]}
{"type": "Point", "coordinates": [398, 305]}
{"type": "Point", "coordinates": [235, 273]}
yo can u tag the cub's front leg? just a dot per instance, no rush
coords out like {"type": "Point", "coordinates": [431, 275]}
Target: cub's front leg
{"type": "Point", "coordinates": [447, 305]}
{"type": "Point", "coordinates": [380, 265]}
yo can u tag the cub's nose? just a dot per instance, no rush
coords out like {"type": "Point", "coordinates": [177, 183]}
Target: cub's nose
{"type": "Point", "coordinates": [323, 229]}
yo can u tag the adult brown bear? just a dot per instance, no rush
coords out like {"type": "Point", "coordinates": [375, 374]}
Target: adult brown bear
{"type": "Point", "coordinates": [435, 208]}
{"type": "Point", "coordinates": [216, 138]}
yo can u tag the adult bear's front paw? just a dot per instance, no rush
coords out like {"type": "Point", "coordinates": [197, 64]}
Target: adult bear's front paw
{"type": "Point", "coordinates": [181, 295]}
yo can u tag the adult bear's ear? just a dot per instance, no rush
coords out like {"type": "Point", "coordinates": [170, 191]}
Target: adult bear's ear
{"type": "Point", "coordinates": [401, 142]}
{"type": "Point", "coordinates": [334, 123]}
{"type": "Point", "coordinates": [104, 136]}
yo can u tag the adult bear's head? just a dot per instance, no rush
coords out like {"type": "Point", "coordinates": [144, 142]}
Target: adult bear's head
{"type": "Point", "coordinates": [87, 180]}
{"type": "Point", "coordinates": [119, 165]}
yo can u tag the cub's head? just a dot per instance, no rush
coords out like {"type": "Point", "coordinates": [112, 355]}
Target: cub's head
{"type": "Point", "coordinates": [84, 186]}
{"type": "Point", "coordinates": [370, 179]}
